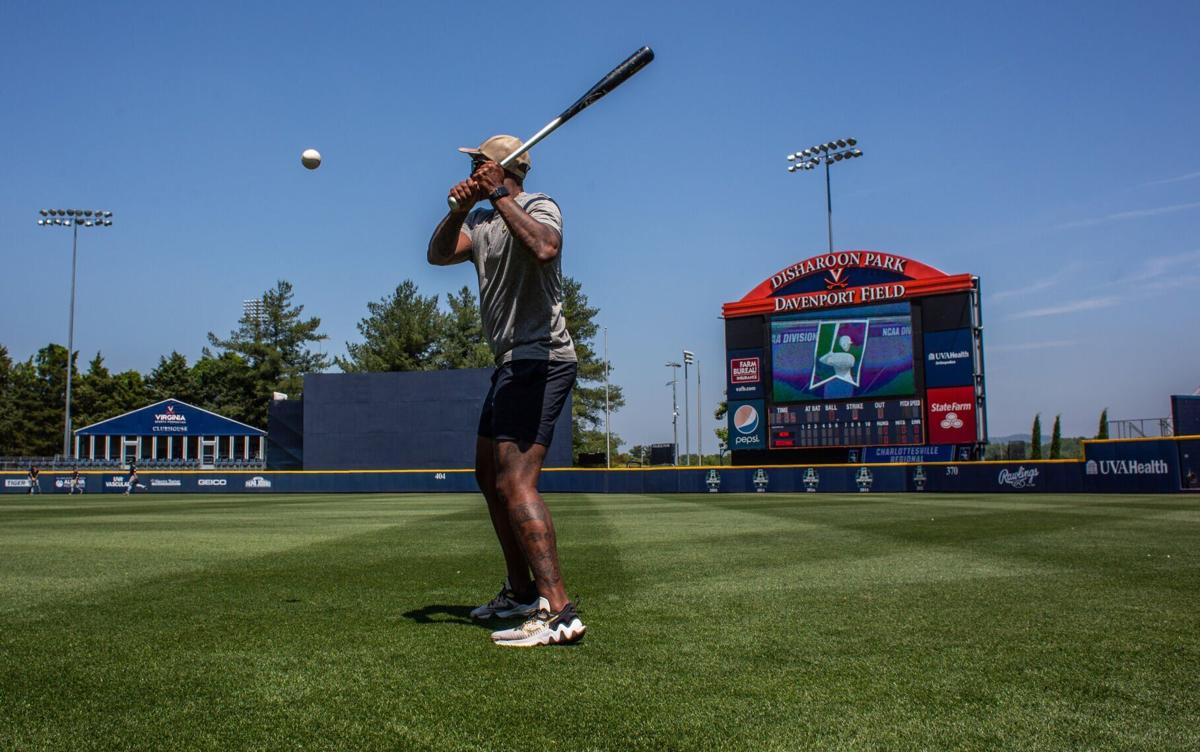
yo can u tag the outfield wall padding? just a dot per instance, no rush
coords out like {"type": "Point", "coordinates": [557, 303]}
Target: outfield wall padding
{"type": "Point", "coordinates": [1008, 478]}
{"type": "Point", "coordinates": [1120, 466]}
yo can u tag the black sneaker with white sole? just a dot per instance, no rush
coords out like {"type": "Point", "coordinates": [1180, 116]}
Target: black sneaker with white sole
{"type": "Point", "coordinates": [544, 628]}
{"type": "Point", "coordinates": [504, 606]}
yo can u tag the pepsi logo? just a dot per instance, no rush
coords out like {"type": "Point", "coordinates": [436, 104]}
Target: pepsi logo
{"type": "Point", "coordinates": [745, 420]}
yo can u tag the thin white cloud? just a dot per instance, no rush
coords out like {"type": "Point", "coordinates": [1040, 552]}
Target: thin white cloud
{"type": "Point", "coordinates": [1176, 179]}
{"type": "Point", "coordinates": [1121, 216]}
{"type": "Point", "coordinates": [1023, 346]}
{"type": "Point", "coordinates": [1087, 304]}
{"type": "Point", "coordinates": [1156, 266]}
{"type": "Point", "coordinates": [1045, 283]}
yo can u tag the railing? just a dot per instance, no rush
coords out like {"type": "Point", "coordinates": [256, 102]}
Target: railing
{"type": "Point", "coordinates": [1140, 428]}
{"type": "Point", "coordinates": [69, 463]}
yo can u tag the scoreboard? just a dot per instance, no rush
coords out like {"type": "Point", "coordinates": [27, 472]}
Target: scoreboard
{"type": "Point", "coordinates": [847, 424]}
{"type": "Point", "coordinates": [854, 349]}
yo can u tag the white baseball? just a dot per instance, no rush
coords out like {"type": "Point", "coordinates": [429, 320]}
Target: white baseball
{"type": "Point", "coordinates": [311, 158]}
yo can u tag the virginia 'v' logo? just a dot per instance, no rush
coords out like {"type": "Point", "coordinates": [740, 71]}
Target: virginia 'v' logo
{"type": "Point", "coordinates": [836, 281]}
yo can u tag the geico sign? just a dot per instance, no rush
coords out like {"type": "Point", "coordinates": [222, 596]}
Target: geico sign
{"type": "Point", "coordinates": [211, 482]}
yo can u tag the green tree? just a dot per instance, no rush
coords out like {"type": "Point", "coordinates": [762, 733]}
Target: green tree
{"type": "Point", "coordinates": [1035, 438]}
{"type": "Point", "coordinates": [587, 399]}
{"type": "Point", "coordinates": [722, 432]}
{"type": "Point", "coordinates": [7, 406]}
{"type": "Point", "coordinates": [460, 342]}
{"type": "Point", "coordinates": [130, 391]}
{"type": "Point", "coordinates": [1102, 430]}
{"type": "Point", "coordinates": [37, 391]}
{"type": "Point", "coordinates": [400, 333]}
{"type": "Point", "coordinates": [274, 349]}
{"type": "Point", "coordinates": [172, 378]}
{"type": "Point", "coordinates": [225, 385]}
{"type": "Point", "coordinates": [94, 396]}
{"type": "Point", "coordinates": [1056, 439]}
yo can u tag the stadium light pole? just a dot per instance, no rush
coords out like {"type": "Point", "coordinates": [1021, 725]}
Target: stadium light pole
{"type": "Point", "coordinates": [826, 154]}
{"type": "Point", "coordinates": [607, 409]}
{"type": "Point", "coordinates": [689, 358]}
{"type": "Point", "coordinates": [72, 218]}
{"type": "Point", "coordinates": [674, 408]}
{"type": "Point", "coordinates": [687, 411]}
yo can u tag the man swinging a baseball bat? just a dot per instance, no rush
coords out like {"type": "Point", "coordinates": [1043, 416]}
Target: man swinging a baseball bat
{"type": "Point", "coordinates": [516, 247]}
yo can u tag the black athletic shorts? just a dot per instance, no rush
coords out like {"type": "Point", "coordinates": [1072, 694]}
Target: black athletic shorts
{"type": "Point", "coordinates": [525, 400]}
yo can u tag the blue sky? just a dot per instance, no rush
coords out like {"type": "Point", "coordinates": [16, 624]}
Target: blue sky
{"type": "Point", "coordinates": [1049, 149]}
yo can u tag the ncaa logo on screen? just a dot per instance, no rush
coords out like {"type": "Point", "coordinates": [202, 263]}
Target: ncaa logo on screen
{"type": "Point", "coordinates": [745, 420]}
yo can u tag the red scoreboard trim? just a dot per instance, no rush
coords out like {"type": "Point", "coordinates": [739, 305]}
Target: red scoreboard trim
{"type": "Point", "coordinates": [916, 280]}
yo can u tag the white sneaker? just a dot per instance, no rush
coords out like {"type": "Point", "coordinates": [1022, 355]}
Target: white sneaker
{"type": "Point", "coordinates": [544, 628]}
{"type": "Point", "coordinates": [504, 606]}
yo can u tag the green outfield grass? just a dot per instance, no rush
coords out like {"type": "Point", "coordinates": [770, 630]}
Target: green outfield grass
{"type": "Point", "coordinates": [715, 622]}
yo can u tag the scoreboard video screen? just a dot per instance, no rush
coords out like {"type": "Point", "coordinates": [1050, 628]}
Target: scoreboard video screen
{"type": "Point", "coordinates": [857, 353]}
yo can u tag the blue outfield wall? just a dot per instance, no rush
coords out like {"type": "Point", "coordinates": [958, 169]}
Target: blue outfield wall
{"type": "Point", "coordinates": [1131, 466]}
{"type": "Point", "coordinates": [1118, 466]}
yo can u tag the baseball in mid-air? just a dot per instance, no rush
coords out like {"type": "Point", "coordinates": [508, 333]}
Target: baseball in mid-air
{"type": "Point", "coordinates": [311, 158]}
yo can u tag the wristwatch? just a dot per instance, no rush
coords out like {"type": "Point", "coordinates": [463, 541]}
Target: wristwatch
{"type": "Point", "coordinates": [498, 194]}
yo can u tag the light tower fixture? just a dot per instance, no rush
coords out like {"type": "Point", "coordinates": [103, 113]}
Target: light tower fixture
{"type": "Point", "coordinates": [73, 218]}
{"type": "Point", "coordinates": [825, 154]}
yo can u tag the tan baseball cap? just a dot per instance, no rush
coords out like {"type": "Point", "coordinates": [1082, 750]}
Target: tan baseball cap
{"type": "Point", "coordinates": [497, 148]}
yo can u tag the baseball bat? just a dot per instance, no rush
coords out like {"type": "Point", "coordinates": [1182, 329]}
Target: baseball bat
{"type": "Point", "coordinates": [612, 80]}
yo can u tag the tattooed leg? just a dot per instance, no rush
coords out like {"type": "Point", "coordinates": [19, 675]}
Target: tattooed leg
{"type": "Point", "coordinates": [517, 478]}
{"type": "Point", "coordinates": [515, 563]}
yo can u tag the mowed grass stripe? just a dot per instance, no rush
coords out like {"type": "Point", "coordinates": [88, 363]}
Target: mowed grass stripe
{"type": "Point", "coordinates": [716, 622]}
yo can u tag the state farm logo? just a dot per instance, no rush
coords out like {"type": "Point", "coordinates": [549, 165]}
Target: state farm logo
{"type": "Point", "coordinates": [951, 421]}
{"type": "Point", "coordinates": [950, 407]}
{"type": "Point", "coordinates": [258, 482]}
{"type": "Point", "coordinates": [211, 482]}
{"type": "Point", "coordinates": [1127, 467]}
{"type": "Point", "coordinates": [743, 371]}
{"type": "Point", "coordinates": [1022, 477]}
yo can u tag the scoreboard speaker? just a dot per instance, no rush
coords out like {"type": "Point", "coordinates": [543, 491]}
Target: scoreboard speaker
{"type": "Point", "coordinates": [940, 313]}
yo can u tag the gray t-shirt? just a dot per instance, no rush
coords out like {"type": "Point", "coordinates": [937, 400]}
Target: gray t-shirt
{"type": "Point", "coordinates": [520, 299]}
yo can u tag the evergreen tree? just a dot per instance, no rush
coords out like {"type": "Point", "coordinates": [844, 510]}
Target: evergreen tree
{"type": "Point", "coordinates": [172, 378]}
{"type": "Point", "coordinates": [94, 397]}
{"type": "Point", "coordinates": [38, 389]}
{"type": "Point", "coordinates": [225, 385]}
{"type": "Point", "coordinates": [130, 392]}
{"type": "Point", "coordinates": [273, 347]}
{"type": "Point", "coordinates": [7, 407]}
{"type": "Point", "coordinates": [1102, 430]}
{"type": "Point", "coordinates": [587, 402]}
{"type": "Point", "coordinates": [1056, 439]}
{"type": "Point", "coordinates": [399, 334]}
{"type": "Point", "coordinates": [461, 343]}
{"type": "Point", "coordinates": [1035, 439]}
